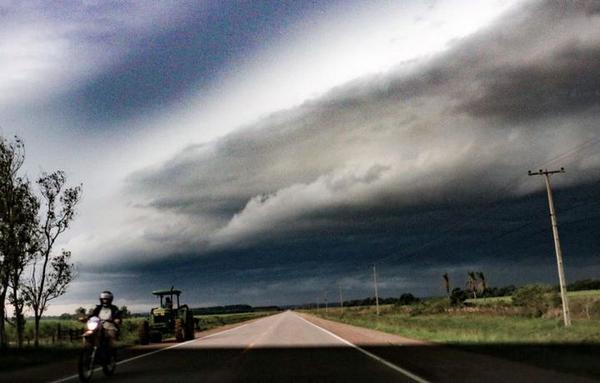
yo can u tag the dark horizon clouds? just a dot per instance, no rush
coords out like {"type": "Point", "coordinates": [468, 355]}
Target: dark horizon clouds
{"type": "Point", "coordinates": [421, 168]}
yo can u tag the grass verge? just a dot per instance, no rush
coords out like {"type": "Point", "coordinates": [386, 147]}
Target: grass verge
{"type": "Point", "coordinates": [541, 342]}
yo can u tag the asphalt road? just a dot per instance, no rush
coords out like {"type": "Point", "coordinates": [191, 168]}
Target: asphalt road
{"type": "Point", "coordinates": [291, 347]}
{"type": "Point", "coordinates": [280, 348]}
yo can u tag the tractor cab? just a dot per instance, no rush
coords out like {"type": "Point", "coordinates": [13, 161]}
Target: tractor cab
{"type": "Point", "coordinates": [166, 312]}
{"type": "Point", "coordinates": [166, 298]}
{"type": "Point", "coordinates": [170, 318]}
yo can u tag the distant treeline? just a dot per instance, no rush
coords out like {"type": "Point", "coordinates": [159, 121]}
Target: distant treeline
{"type": "Point", "coordinates": [459, 294]}
{"type": "Point", "coordinates": [232, 309]}
{"type": "Point", "coordinates": [584, 284]}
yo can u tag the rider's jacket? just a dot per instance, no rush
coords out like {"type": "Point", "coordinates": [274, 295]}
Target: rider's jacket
{"type": "Point", "coordinates": [107, 314]}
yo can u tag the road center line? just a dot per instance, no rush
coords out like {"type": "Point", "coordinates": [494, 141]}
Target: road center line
{"type": "Point", "coordinates": [387, 363]}
{"type": "Point", "coordinates": [153, 352]}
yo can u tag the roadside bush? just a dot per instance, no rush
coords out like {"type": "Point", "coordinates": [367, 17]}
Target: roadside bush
{"type": "Point", "coordinates": [585, 308]}
{"type": "Point", "coordinates": [433, 306]}
{"type": "Point", "coordinates": [438, 307]}
{"type": "Point", "coordinates": [594, 310]}
{"type": "Point", "coordinates": [536, 299]}
{"type": "Point", "coordinates": [458, 297]}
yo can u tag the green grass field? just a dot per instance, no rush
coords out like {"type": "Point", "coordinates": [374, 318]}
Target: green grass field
{"type": "Point", "coordinates": [572, 295]}
{"type": "Point", "coordinates": [495, 328]}
{"type": "Point", "coordinates": [469, 328]}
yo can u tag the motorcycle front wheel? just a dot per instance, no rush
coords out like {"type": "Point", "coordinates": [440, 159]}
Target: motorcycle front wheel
{"type": "Point", "coordinates": [86, 364]}
{"type": "Point", "coordinates": [109, 368]}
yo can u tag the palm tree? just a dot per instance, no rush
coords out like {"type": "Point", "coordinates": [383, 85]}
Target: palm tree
{"type": "Point", "coordinates": [482, 282]}
{"type": "Point", "coordinates": [447, 283]}
{"type": "Point", "coordinates": [472, 283]}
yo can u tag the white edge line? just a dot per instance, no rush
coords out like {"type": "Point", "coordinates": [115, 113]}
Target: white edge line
{"type": "Point", "coordinates": [389, 364]}
{"type": "Point", "coordinates": [154, 352]}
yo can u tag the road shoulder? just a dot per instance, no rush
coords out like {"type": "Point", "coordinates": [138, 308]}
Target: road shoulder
{"type": "Point", "coordinates": [439, 363]}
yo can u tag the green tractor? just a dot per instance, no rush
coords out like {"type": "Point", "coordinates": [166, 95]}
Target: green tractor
{"type": "Point", "coordinates": [167, 320]}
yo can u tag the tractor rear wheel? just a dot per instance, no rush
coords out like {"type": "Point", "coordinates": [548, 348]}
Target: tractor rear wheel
{"type": "Point", "coordinates": [144, 332]}
{"type": "Point", "coordinates": [179, 330]}
{"type": "Point", "coordinates": [189, 327]}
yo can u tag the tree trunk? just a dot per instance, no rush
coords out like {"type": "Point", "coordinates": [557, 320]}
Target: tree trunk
{"type": "Point", "coordinates": [3, 337]}
{"type": "Point", "coordinates": [20, 324]}
{"type": "Point", "coordinates": [36, 331]}
{"type": "Point", "coordinates": [19, 317]}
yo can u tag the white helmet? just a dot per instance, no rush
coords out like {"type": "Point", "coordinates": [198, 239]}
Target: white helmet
{"type": "Point", "coordinates": [106, 298]}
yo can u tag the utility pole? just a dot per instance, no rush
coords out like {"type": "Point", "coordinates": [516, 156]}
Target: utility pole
{"type": "Point", "coordinates": [561, 272]}
{"type": "Point", "coordinates": [341, 299]}
{"type": "Point", "coordinates": [326, 303]}
{"type": "Point", "coordinates": [376, 293]}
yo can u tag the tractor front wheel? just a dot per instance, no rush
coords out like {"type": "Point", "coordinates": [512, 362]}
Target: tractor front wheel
{"type": "Point", "coordinates": [144, 332]}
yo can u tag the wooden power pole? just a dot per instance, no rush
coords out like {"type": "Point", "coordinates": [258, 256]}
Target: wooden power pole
{"type": "Point", "coordinates": [561, 272]}
{"type": "Point", "coordinates": [341, 299]}
{"type": "Point", "coordinates": [376, 293]}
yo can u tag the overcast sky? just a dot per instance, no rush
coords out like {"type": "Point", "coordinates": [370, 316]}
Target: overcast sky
{"type": "Point", "coordinates": [267, 152]}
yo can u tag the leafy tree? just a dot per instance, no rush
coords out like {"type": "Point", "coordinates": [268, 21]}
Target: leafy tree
{"type": "Point", "coordinates": [79, 313]}
{"type": "Point", "coordinates": [407, 299]}
{"type": "Point", "coordinates": [18, 233]}
{"type": "Point", "coordinates": [51, 273]}
{"type": "Point", "coordinates": [125, 313]}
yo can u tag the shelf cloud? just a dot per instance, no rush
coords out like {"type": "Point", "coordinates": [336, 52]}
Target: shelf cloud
{"type": "Point", "coordinates": [459, 126]}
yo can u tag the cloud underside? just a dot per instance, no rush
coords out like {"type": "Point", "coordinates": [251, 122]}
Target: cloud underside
{"type": "Point", "coordinates": [442, 136]}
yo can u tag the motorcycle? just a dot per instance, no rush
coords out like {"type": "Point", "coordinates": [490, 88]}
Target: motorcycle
{"type": "Point", "coordinates": [96, 351]}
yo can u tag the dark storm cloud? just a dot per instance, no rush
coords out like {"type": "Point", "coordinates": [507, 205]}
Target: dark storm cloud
{"type": "Point", "coordinates": [423, 167]}
{"type": "Point", "coordinates": [414, 125]}
{"type": "Point", "coordinates": [538, 64]}
{"type": "Point", "coordinates": [164, 68]}
{"type": "Point", "coordinates": [569, 83]}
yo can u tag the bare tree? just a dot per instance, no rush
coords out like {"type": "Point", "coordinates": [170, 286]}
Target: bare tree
{"type": "Point", "coordinates": [18, 233]}
{"type": "Point", "coordinates": [51, 273]}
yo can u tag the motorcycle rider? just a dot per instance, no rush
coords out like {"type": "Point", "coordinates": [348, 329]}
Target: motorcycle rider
{"type": "Point", "coordinates": [110, 316]}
